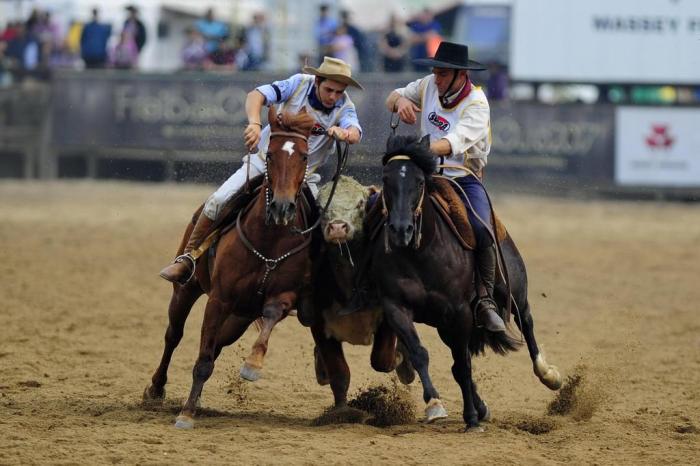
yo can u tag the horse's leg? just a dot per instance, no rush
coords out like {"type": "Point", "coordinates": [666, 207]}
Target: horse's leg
{"type": "Point", "coordinates": [273, 311]}
{"type": "Point", "coordinates": [181, 302]}
{"type": "Point", "coordinates": [383, 358]}
{"type": "Point", "coordinates": [231, 330]}
{"type": "Point", "coordinates": [401, 322]}
{"type": "Point", "coordinates": [204, 366]}
{"type": "Point", "coordinates": [547, 373]}
{"type": "Point", "coordinates": [456, 338]}
{"type": "Point", "coordinates": [332, 358]}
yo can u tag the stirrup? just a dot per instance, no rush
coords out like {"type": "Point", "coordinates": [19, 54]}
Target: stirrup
{"type": "Point", "coordinates": [192, 264]}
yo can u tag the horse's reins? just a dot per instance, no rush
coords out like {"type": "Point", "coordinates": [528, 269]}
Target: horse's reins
{"type": "Point", "coordinates": [271, 264]}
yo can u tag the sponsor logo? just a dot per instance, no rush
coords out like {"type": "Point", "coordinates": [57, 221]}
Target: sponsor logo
{"type": "Point", "coordinates": [318, 130]}
{"type": "Point", "coordinates": [659, 137]}
{"type": "Point", "coordinates": [439, 121]}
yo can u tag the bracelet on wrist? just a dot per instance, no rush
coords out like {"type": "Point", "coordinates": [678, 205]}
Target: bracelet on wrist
{"type": "Point", "coordinates": [254, 123]}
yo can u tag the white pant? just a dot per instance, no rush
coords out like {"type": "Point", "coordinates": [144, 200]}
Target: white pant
{"type": "Point", "coordinates": [236, 181]}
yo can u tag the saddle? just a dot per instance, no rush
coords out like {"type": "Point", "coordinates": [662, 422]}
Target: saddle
{"type": "Point", "coordinates": [452, 210]}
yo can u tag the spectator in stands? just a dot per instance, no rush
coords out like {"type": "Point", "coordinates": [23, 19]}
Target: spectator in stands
{"type": "Point", "coordinates": [125, 53]}
{"type": "Point", "coordinates": [359, 41]}
{"type": "Point", "coordinates": [343, 47]}
{"type": "Point", "coordinates": [93, 42]}
{"type": "Point", "coordinates": [135, 27]}
{"type": "Point", "coordinates": [22, 51]}
{"type": "Point", "coordinates": [194, 53]}
{"type": "Point", "coordinates": [325, 31]}
{"type": "Point", "coordinates": [215, 32]}
{"type": "Point", "coordinates": [497, 82]}
{"type": "Point", "coordinates": [425, 38]}
{"type": "Point", "coordinates": [393, 46]}
{"type": "Point", "coordinates": [257, 39]}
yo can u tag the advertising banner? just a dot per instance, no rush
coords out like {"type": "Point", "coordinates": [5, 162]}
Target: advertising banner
{"type": "Point", "coordinates": [630, 41]}
{"type": "Point", "coordinates": [198, 114]}
{"type": "Point", "coordinates": [657, 147]}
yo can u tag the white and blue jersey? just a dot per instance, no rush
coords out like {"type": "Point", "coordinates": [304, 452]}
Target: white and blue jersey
{"type": "Point", "coordinates": [297, 92]}
{"type": "Point", "coordinates": [290, 95]}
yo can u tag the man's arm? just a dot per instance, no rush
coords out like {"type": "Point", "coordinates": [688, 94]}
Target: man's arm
{"type": "Point", "coordinates": [253, 104]}
{"type": "Point", "coordinates": [441, 147]}
{"type": "Point", "coordinates": [405, 101]}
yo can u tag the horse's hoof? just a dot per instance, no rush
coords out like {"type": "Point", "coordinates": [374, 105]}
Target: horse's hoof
{"type": "Point", "coordinates": [404, 370]}
{"type": "Point", "coordinates": [184, 422]}
{"type": "Point", "coordinates": [549, 375]}
{"type": "Point", "coordinates": [434, 411]}
{"type": "Point", "coordinates": [152, 397]}
{"type": "Point", "coordinates": [487, 415]}
{"type": "Point", "coordinates": [249, 373]}
{"type": "Point", "coordinates": [474, 430]}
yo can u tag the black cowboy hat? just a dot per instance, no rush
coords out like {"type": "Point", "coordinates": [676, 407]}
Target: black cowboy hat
{"type": "Point", "coordinates": [452, 56]}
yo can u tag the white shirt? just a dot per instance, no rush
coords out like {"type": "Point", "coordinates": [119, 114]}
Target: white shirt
{"type": "Point", "coordinates": [467, 126]}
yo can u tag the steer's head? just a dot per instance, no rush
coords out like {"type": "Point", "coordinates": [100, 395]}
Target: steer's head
{"type": "Point", "coordinates": [343, 220]}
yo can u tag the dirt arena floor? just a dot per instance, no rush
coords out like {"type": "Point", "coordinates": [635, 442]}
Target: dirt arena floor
{"type": "Point", "coordinates": [614, 287]}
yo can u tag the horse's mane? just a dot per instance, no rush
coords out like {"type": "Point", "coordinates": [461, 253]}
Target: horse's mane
{"type": "Point", "coordinates": [299, 122]}
{"type": "Point", "coordinates": [413, 147]}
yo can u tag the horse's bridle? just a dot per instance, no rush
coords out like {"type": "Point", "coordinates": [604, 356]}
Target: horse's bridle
{"type": "Point", "coordinates": [289, 134]}
{"type": "Point", "coordinates": [417, 212]}
{"type": "Point", "coordinates": [271, 264]}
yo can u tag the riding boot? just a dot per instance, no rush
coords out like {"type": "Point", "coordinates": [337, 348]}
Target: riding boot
{"type": "Point", "coordinates": [182, 268]}
{"type": "Point", "coordinates": [486, 308]}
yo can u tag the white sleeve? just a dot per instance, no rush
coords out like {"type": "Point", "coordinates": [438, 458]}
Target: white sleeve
{"type": "Point", "coordinates": [473, 127]}
{"type": "Point", "coordinates": [412, 91]}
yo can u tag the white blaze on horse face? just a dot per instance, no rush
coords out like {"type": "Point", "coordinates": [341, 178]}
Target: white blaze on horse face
{"type": "Point", "coordinates": [402, 172]}
{"type": "Point", "coordinates": [289, 147]}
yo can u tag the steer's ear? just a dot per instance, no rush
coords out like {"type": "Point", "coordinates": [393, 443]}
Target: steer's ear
{"type": "Point", "coordinates": [372, 189]}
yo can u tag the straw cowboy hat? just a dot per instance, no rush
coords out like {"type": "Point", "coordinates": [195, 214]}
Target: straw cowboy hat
{"type": "Point", "coordinates": [334, 69]}
{"type": "Point", "coordinates": [452, 56]}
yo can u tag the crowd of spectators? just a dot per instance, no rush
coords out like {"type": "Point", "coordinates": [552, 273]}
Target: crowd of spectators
{"type": "Point", "coordinates": [211, 45]}
{"type": "Point", "coordinates": [37, 45]}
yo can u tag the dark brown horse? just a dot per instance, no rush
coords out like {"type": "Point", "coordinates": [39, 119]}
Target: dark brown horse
{"type": "Point", "coordinates": [259, 269]}
{"type": "Point", "coordinates": [423, 274]}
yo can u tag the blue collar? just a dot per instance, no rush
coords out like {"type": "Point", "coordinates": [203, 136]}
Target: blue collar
{"type": "Point", "coordinates": [316, 103]}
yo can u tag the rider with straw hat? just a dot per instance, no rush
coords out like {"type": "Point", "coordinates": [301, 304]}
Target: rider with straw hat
{"type": "Point", "coordinates": [321, 91]}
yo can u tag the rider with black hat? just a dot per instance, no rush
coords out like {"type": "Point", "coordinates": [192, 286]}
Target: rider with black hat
{"type": "Point", "coordinates": [456, 116]}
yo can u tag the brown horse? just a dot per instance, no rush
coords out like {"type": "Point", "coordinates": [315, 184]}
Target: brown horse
{"type": "Point", "coordinates": [259, 269]}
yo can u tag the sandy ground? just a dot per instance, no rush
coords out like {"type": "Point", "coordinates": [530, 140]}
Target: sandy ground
{"type": "Point", "coordinates": [614, 288]}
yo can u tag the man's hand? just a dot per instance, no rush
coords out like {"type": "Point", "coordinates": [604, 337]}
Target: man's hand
{"type": "Point", "coordinates": [338, 133]}
{"type": "Point", "coordinates": [406, 110]}
{"type": "Point", "coordinates": [251, 135]}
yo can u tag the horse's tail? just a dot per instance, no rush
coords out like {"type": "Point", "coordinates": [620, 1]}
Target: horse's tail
{"type": "Point", "coordinates": [500, 342]}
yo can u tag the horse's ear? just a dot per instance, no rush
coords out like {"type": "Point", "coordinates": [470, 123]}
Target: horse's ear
{"type": "Point", "coordinates": [272, 117]}
{"type": "Point", "coordinates": [425, 141]}
{"type": "Point", "coordinates": [372, 189]}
